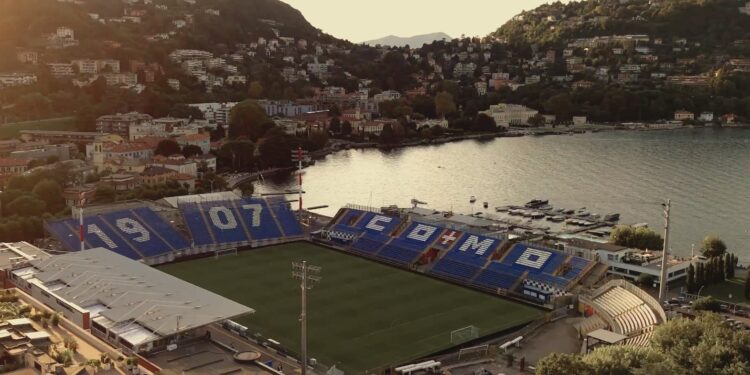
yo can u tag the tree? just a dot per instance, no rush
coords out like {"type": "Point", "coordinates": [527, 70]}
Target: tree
{"type": "Point", "coordinates": [645, 279]}
{"type": "Point", "coordinates": [444, 104]}
{"type": "Point", "coordinates": [560, 105]}
{"type": "Point", "coordinates": [537, 120]}
{"type": "Point", "coordinates": [248, 119]}
{"type": "Point", "coordinates": [105, 194]}
{"type": "Point", "coordinates": [706, 304]}
{"type": "Point", "coordinates": [316, 140]}
{"type": "Point", "coordinates": [639, 238]}
{"type": "Point", "coordinates": [712, 246]}
{"type": "Point", "coordinates": [276, 148]}
{"type": "Point", "coordinates": [484, 123]}
{"type": "Point", "coordinates": [335, 125]}
{"type": "Point", "coordinates": [189, 151]}
{"type": "Point", "coordinates": [181, 110]}
{"type": "Point", "coordinates": [620, 359]}
{"type": "Point", "coordinates": [690, 283]}
{"type": "Point", "coordinates": [346, 128]}
{"type": "Point", "coordinates": [255, 90]}
{"type": "Point", "coordinates": [562, 364]}
{"type": "Point", "coordinates": [387, 136]}
{"type": "Point", "coordinates": [747, 285]}
{"type": "Point", "coordinates": [50, 192]}
{"type": "Point", "coordinates": [238, 154]}
{"type": "Point", "coordinates": [167, 147]}
{"type": "Point", "coordinates": [26, 205]}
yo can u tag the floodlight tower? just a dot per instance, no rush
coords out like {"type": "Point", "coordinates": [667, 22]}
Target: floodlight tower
{"type": "Point", "coordinates": [299, 155]}
{"type": "Point", "coordinates": [308, 276]}
{"type": "Point", "coordinates": [665, 254]}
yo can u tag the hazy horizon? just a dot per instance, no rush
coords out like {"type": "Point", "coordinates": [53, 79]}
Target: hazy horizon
{"type": "Point", "coordinates": [359, 21]}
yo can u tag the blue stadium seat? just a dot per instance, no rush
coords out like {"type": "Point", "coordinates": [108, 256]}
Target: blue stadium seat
{"type": "Point", "coordinates": [351, 218]}
{"type": "Point", "coordinates": [160, 226]}
{"type": "Point", "coordinates": [107, 238]}
{"type": "Point", "coordinates": [368, 244]}
{"type": "Point", "coordinates": [63, 232]}
{"type": "Point", "coordinates": [555, 281]}
{"type": "Point", "coordinates": [498, 275]}
{"type": "Point", "coordinates": [418, 240]}
{"type": "Point", "coordinates": [196, 224]}
{"type": "Point", "coordinates": [577, 265]}
{"type": "Point", "coordinates": [286, 217]}
{"type": "Point", "coordinates": [399, 254]}
{"type": "Point", "coordinates": [455, 269]}
{"type": "Point", "coordinates": [146, 240]}
{"type": "Point", "coordinates": [225, 222]}
{"type": "Point", "coordinates": [263, 226]}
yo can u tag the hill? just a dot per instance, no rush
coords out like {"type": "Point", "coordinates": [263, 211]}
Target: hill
{"type": "Point", "coordinates": [412, 41]}
{"type": "Point", "coordinates": [555, 23]}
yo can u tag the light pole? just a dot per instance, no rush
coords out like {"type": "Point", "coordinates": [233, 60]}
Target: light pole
{"type": "Point", "coordinates": [665, 255]}
{"type": "Point", "coordinates": [700, 290]}
{"type": "Point", "coordinates": [308, 277]}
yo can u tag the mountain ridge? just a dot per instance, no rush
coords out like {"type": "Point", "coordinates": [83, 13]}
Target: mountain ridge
{"type": "Point", "coordinates": [412, 41]}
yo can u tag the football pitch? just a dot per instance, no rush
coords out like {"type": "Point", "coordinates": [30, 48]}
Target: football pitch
{"type": "Point", "coordinates": [361, 316]}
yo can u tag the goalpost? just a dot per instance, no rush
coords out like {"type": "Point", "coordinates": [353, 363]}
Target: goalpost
{"type": "Point", "coordinates": [462, 335]}
{"type": "Point", "coordinates": [222, 252]}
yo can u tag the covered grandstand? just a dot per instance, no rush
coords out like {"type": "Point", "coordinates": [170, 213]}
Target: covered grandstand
{"type": "Point", "coordinates": [623, 308]}
{"type": "Point", "coordinates": [483, 261]}
{"type": "Point", "coordinates": [158, 234]}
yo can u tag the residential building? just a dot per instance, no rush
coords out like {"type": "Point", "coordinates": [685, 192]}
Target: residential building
{"type": "Point", "coordinates": [59, 70]}
{"type": "Point", "coordinates": [120, 123]}
{"type": "Point", "coordinates": [387, 96]}
{"type": "Point", "coordinates": [17, 79]}
{"type": "Point", "coordinates": [117, 79]}
{"type": "Point", "coordinates": [121, 181]}
{"type": "Point", "coordinates": [177, 163]}
{"type": "Point", "coordinates": [463, 69]}
{"type": "Point", "coordinates": [59, 151]}
{"type": "Point", "coordinates": [683, 115]}
{"type": "Point", "coordinates": [174, 84]}
{"type": "Point", "coordinates": [156, 175]}
{"type": "Point", "coordinates": [207, 159]}
{"type": "Point", "coordinates": [13, 166]}
{"type": "Point", "coordinates": [59, 136]}
{"type": "Point", "coordinates": [580, 120]}
{"type": "Point", "coordinates": [28, 57]}
{"type": "Point", "coordinates": [202, 140]}
{"type": "Point", "coordinates": [706, 116]}
{"type": "Point", "coordinates": [506, 115]}
{"type": "Point", "coordinates": [287, 108]}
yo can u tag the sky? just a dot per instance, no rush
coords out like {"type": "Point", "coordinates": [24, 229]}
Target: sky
{"type": "Point", "coordinates": [362, 20]}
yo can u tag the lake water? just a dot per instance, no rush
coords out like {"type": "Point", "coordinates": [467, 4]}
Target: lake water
{"type": "Point", "coordinates": [705, 172]}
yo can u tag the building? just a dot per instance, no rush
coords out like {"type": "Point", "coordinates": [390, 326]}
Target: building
{"type": "Point", "coordinates": [202, 140]}
{"type": "Point", "coordinates": [120, 123]}
{"type": "Point", "coordinates": [121, 181]}
{"type": "Point", "coordinates": [58, 136]}
{"type": "Point", "coordinates": [683, 115]}
{"type": "Point", "coordinates": [116, 298]}
{"type": "Point", "coordinates": [206, 159]}
{"type": "Point", "coordinates": [507, 115]}
{"type": "Point", "coordinates": [387, 96]}
{"type": "Point", "coordinates": [157, 175]}
{"type": "Point", "coordinates": [580, 120]}
{"type": "Point", "coordinates": [13, 166]}
{"type": "Point", "coordinates": [177, 163]}
{"type": "Point", "coordinates": [118, 79]}
{"type": "Point", "coordinates": [59, 151]}
{"type": "Point", "coordinates": [17, 79]}
{"type": "Point", "coordinates": [60, 70]}
{"type": "Point", "coordinates": [89, 66]}
{"type": "Point", "coordinates": [706, 116]}
{"type": "Point", "coordinates": [287, 108]}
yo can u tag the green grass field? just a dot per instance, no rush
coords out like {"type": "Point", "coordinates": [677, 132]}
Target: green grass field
{"type": "Point", "coordinates": [362, 316]}
{"type": "Point", "coordinates": [12, 130]}
{"type": "Point", "coordinates": [721, 291]}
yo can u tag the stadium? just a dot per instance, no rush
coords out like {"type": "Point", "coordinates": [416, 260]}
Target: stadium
{"type": "Point", "coordinates": [395, 288]}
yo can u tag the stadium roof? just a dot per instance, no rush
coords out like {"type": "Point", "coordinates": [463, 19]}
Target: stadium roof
{"type": "Point", "coordinates": [208, 197]}
{"type": "Point", "coordinates": [124, 292]}
{"type": "Point", "coordinates": [19, 252]}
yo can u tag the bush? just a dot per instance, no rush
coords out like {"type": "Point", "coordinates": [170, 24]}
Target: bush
{"type": "Point", "coordinates": [706, 304]}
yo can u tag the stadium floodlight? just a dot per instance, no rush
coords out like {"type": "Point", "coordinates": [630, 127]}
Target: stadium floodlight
{"type": "Point", "coordinates": [308, 276]}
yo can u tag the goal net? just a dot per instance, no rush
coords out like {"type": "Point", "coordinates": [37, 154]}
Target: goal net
{"type": "Point", "coordinates": [463, 335]}
{"type": "Point", "coordinates": [223, 252]}
{"type": "Point", "coordinates": [474, 352]}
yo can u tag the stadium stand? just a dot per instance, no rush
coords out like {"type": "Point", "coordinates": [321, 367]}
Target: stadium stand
{"type": "Point", "coordinates": [239, 222]}
{"type": "Point", "coordinates": [625, 309]}
{"type": "Point", "coordinates": [137, 234]}
{"type": "Point", "coordinates": [498, 275]}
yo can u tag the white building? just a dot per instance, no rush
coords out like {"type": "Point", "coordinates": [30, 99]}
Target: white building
{"type": "Point", "coordinates": [706, 116]}
{"type": "Point", "coordinates": [387, 96]}
{"type": "Point", "coordinates": [60, 69]}
{"type": "Point", "coordinates": [17, 79]}
{"type": "Point", "coordinates": [506, 115]}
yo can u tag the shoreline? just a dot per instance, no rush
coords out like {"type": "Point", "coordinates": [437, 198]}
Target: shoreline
{"type": "Point", "coordinates": [343, 145]}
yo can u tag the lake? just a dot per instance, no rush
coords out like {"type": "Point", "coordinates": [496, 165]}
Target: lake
{"type": "Point", "coordinates": [705, 172]}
